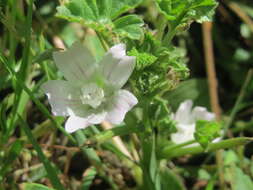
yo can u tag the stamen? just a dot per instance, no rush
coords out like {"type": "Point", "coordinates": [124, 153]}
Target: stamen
{"type": "Point", "coordinates": [92, 95]}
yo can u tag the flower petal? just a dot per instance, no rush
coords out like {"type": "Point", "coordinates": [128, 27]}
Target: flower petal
{"type": "Point", "coordinates": [76, 64]}
{"type": "Point", "coordinates": [97, 118]}
{"type": "Point", "coordinates": [74, 123]}
{"type": "Point", "coordinates": [183, 114]}
{"type": "Point", "coordinates": [64, 98]}
{"type": "Point", "coordinates": [185, 133]}
{"type": "Point", "coordinates": [124, 101]}
{"type": "Point", "coordinates": [116, 66]}
{"type": "Point", "coordinates": [201, 113]}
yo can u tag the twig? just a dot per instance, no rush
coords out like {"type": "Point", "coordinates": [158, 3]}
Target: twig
{"type": "Point", "coordinates": [212, 84]}
{"type": "Point", "coordinates": [71, 149]}
{"type": "Point", "coordinates": [67, 164]}
{"type": "Point", "coordinates": [211, 74]}
{"type": "Point", "coordinates": [241, 14]}
{"type": "Point", "coordinates": [117, 140]}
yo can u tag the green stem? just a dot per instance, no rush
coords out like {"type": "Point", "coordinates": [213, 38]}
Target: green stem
{"type": "Point", "coordinates": [25, 57]}
{"type": "Point", "coordinates": [169, 36]}
{"type": "Point", "coordinates": [173, 30]}
{"type": "Point", "coordinates": [229, 143]}
{"type": "Point", "coordinates": [108, 134]}
{"type": "Point", "coordinates": [173, 147]}
{"type": "Point", "coordinates": [162, 22]}
{"type": "Point", "coordinates": [42, 49]}
{"type": "Point", "coordinates": [103, 42]}
{"type": "Point", "coordinates": [13, 41]}
{"type": "Point", "coordinates": [23, 69]}
{"type": "Point", "coordinates": [239, 100]}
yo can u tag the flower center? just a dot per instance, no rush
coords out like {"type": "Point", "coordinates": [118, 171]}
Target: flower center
{"type": "Point", "coordinates": [92, 95]}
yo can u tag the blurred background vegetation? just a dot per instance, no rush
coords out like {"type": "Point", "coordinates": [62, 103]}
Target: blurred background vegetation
{"type": "Point", "coordinates": [232, 38]}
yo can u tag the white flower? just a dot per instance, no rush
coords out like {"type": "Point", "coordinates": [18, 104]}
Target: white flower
{"type": "Point", "coordinates": [91, 92]}
{"type": "Point", "coordinates": [186, 119]}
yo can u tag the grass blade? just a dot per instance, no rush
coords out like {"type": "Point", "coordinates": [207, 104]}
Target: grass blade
{"type": "Point", "coordinates": [40, 106]}
{"type": "Point", "coordinates": [51, 172]}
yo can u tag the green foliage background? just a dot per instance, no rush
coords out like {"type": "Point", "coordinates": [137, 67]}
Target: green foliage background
{"type": "Point", "coordinates": [37, 153]}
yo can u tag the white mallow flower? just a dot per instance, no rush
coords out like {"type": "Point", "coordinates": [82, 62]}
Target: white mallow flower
{"type": "Point", "coordinates": [186, 118]}
{"type": "Point", "coordinates": [92, 91]}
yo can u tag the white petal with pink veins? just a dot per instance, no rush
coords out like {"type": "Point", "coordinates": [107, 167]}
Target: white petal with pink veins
{"type": "Point", "coordinates": [120, 106]}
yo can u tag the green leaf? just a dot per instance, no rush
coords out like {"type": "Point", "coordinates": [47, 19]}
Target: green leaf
{"type": "Point", "coordinates": [240, 180]}
{"type": "Point", "coordinates": [143, 59]}
{"type": "Point", "coordinates": [35, 186]}
{"type": "Point", "coordinates": [206, 132]}
{"type": "Point", "coordinates": [100, 15]}
{"type": "Point", "coordinates": [158, 68]}
{"type": "Point", "coordinates": [230, 158]}
{"type": "Point", "coordinates": [181, 12]}
{"type": "Point", "coordinates": [203, 174]}
{"type": "Point", "coordinates": [129, 26]}
{"type": "Point", "coordinates": [195, 89]}
{"type": "Point", "coordinates": [96, 10]}
{"type": "Point", "coordinates": [170, 179]}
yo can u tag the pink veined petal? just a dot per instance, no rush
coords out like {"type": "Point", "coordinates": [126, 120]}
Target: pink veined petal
{"type": "Point", "coordinates": [74, 123]}
{"type": "Point", "coordinates": [64, 98]}
{"type": "Point", "coordinates": [201, 113]}
{"type": "Point", "coordinates": [183, 114]}
{"type": "Point", "coordinates": [76, 64]}
{"type": "Point", "coordinates": [124, 101]}
{"type": "Point", "coordinates": [116, 66]}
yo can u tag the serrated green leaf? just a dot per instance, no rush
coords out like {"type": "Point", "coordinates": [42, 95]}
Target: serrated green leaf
{"type": "Point", "coordinates": [158, 68]}
{"type": "Point", "coordinates": [181, 12]}
{"type": "Point", "coordinates": [100, 15]}
{"type": "Point", "coordinates": [143, 59]}
{"type": "Point", "coordinates": [129, 26]}
{"type": "Point", "coordinates": [35, 186]}
{"type": "Point", "coordinates": [206, 132]}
